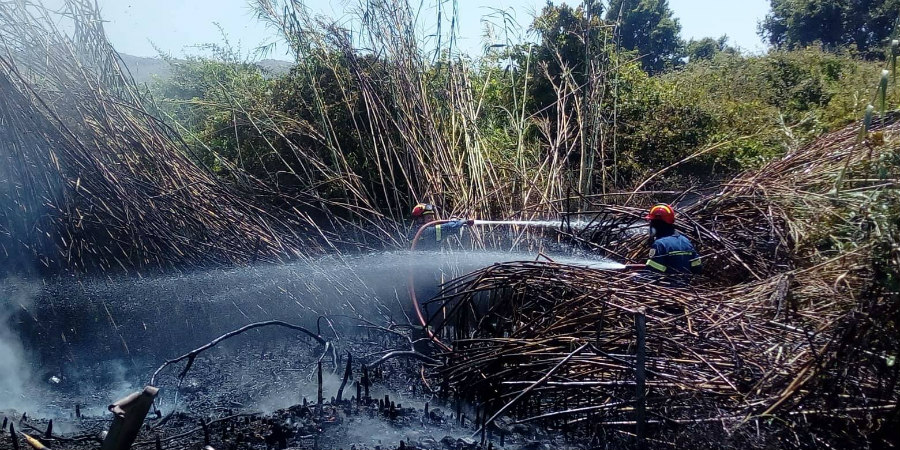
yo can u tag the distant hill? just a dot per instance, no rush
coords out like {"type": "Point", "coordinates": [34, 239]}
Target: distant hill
{"type": "Point", "coordinates": [276, 66]}
{"type": "Point", "coordinates": [144, 69]}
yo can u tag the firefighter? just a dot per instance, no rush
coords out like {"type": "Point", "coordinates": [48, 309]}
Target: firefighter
{"type": "Point", "coordinates": [671, 253]}
{"type": "Point", "coordinates": [433, 236]}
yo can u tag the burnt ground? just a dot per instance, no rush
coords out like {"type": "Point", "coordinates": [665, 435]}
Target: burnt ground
{"type": "Point", "coordinates": [260, 392]}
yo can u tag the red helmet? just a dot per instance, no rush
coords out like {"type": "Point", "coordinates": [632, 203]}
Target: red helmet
{"type": "Point", "coordinates": [423, 209]}
{"type": "Point", "coordinates": [662, 212]}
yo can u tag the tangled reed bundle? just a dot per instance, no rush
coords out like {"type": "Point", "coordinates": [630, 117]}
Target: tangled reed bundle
{"type": "Point", "coordinates": [712, 356]}
{"type": "Point", "coordinates": [727, 343]}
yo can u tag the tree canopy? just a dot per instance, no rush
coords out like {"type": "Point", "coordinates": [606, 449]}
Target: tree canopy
{"type": "Point", "coordinates": [866, 24]}
{"type": "Point", "coordinates": [649, 28]}
{"type": "Point", "coordinates": [707, 48]}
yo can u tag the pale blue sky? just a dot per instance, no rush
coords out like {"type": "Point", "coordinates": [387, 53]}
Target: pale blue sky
{"type": "Point", "coordinates": [175, 25]}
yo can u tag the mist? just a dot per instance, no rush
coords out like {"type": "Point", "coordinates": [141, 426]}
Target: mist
{"type": "Point", "coordinates": [104, 336]}
{"type": "Point", "coordinates": [16, 297]}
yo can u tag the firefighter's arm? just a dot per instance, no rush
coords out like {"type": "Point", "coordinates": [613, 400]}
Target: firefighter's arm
{"type": "Point", "coordinates": [453, 226]}
{"type": "Point", "coordinates": [444, 230]}
{"type": "Point", "coordinates": [696, 264]}
{"type": "Point", "coordinates": [447, 229]}
{"type": "Point", "coordinates": [657, 258]}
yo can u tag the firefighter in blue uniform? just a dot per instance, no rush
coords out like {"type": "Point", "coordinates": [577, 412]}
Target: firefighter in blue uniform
{"type": "Point", "coordinates": [671, 253]}
{"type": "Point", "coordinates": [433, 236]}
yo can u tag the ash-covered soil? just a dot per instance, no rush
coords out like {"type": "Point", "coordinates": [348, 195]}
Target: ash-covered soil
{"type": "Point", "coordinates": [260, 391]}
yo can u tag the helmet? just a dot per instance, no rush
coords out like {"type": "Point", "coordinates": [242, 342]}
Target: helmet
{"type": "Point", "coordinates": [423, 209]}
{"type": "Point", "coordinates": [662, 212]}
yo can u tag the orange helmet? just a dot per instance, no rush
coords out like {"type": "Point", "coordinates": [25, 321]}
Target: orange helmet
{"type": "Point", "coordinates": [662, 212]}
{"type": "Point", "coordinates": [423, 209]}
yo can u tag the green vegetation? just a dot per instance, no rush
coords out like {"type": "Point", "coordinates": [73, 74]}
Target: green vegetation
{"type": "Point", "coordinates": [649, 28]}
{"type": "Point", "coordinates": [607, 119]}
{"type": "Point", "coordinates": [864, 26]}
{"type": "Point", "coordinates": [750, 108]}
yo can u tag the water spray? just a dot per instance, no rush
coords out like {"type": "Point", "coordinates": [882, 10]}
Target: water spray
{"type": "Point", "coordinates": [579, 224]}
{"type": "Point", "coordinates": [526, 223]}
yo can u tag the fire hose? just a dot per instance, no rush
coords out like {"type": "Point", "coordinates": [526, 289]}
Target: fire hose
{"type": "Point", "coordinates": [412, 287]}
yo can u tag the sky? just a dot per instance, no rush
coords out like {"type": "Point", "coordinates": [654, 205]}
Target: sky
{"type": "Point", "coordinates": [140, 27]}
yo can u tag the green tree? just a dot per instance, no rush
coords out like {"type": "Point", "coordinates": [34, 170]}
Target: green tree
{"type": "Point", "coordinates": [707, 48]}
{"type": "Point", "coordinates": [563, 34]}
{"type": "Point", "coordinates": [576, 74]}
{"type": "Point", "coordinates": [649, 28]}
{"type": "Point", "coordinates": [866, 24]}
{"type": "Point", "coordinates": [566, 36]}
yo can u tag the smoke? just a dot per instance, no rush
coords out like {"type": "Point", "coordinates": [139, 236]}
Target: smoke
{"type": "Point", "coordinates": [16, 295]}
{"type": "Point", "coordinates": [292, 393]}
{"type": "Point", "coordinates": [365, 431]}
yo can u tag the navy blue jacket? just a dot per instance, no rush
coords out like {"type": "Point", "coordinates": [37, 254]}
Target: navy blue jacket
{"type": "Point", "coordinates": [674, 254]}
{"type": "Point", "coordinates": [432, 237]}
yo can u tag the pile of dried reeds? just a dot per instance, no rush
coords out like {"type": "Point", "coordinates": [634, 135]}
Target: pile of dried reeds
{"type": "Point", "coordinates": [744, 347]}
{"type": "Point", "coordinates": [92, 179]}
{"type": "Point", "coordinates": [789, 320]}
{"type": "Point", "coordinates": [565, 337]}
